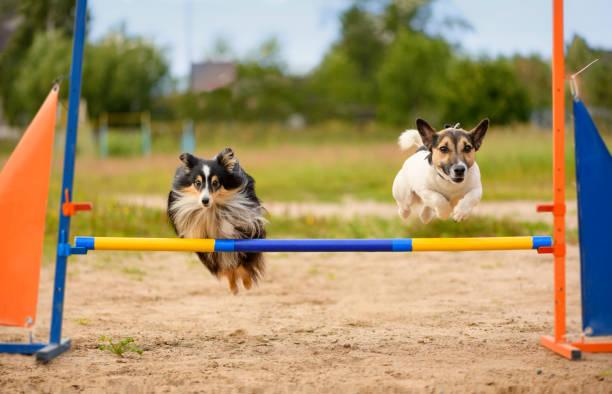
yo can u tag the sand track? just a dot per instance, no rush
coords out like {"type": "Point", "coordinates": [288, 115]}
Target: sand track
{"type": "Point", "coordinates": [436, 322]}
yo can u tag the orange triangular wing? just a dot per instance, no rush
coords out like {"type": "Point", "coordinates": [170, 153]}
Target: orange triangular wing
{"type": "Point", "coordinates": [24, 186]}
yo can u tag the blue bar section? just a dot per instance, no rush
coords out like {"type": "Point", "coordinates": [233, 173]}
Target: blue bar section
{"type": "Point", "coordinates": [316, 245]}
{"type": "Point", "coordinates": [542, 241]}
{"type": "Point", "coordinates": [402, 245]}
{"type": "Point", "coordinates": [224, 245]}
{"type": "Point", "coordinates": [21, 348]}
{"type": "Point", "coordinates": [84, 242]}
{"type": "Point", "coordinates": [74, 99]}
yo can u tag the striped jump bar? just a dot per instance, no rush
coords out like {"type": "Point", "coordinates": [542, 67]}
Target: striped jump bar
{"type": "Point", "coordinates": [313, 245]}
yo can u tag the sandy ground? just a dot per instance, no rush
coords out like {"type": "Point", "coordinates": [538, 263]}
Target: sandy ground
{"type": "Point", "coordinates": [435, 322]}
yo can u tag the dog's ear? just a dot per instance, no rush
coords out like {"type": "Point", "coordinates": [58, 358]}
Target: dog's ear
{"type": "Point", "coordinates": [478, 133]}
{"type": "Point", "coordinates": [427, 133]}
{"type": "Point", "coordinates": [227, 159]}
{"type": "Point", "coordinates": [188, 160]}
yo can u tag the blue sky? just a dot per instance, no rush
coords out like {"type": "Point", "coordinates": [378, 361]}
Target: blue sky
{"type": "Point", "coordinates": [306, 28]}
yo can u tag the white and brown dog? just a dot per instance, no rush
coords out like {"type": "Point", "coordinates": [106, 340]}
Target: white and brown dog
{"type": "Point", "coordinates": [440, 176]}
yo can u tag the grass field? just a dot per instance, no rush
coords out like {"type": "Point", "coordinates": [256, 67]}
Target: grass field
{"type": "Point", "coordinates": [331, 163]}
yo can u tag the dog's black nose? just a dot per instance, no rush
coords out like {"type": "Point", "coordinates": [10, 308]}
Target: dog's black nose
{"type": "Point", "coordinates": [205, 201]}
{"type": "Point", "coordinates": [459, 171]}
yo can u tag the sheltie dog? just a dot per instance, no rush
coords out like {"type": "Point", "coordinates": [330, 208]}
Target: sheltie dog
{"type": "Point", "coordinates": [216, 199]}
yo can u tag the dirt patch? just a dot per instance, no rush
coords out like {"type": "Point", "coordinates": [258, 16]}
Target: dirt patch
{"type": "Point", "coordinates": [433, 322]}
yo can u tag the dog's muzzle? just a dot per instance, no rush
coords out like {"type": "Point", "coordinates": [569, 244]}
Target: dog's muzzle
{"type": "Point", "coordinates": [457, 172]}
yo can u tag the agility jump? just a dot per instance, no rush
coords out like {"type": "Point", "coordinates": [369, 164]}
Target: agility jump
{"type": "Point", "coordinates": [84, 244]}
{"type": "Point", "coordinates": [21, 248]}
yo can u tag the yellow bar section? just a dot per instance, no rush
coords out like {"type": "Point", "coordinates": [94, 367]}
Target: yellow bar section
{"type": "Point", "coordinates": [155, 244]}
{"type": "Point", "coordinates": [466, 244]}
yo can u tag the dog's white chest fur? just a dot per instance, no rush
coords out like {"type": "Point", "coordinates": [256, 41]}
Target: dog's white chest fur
{"type": "Point", "coordinates": [192, 220]}
{"type": "Point", "coordinates": [418, 184]}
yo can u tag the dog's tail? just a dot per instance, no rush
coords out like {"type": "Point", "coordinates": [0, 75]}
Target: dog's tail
{"type": "Point", "coordinates": [410, 141]}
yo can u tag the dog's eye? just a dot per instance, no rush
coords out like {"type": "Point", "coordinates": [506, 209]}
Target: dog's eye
{"type": "Point", "coordinates": [197, 183]}
{"type": "Point", "coordinates": [467, 148]}
{"type": "Point", "coordinates": [215, 183]}
{"type": "Point", "coordinates": [443, 149]}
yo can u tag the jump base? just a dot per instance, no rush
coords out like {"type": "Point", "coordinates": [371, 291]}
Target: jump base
{"type": "Point", "coordinates": [21, 348]}
{"type": "Point", "coordinates": [52, 350]}
{"type": "Point", "coordinates": [562, 348]}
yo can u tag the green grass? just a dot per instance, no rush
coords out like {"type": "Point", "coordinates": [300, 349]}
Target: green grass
{"type": "Point", "coordinates": [322, 163]}
{"type": "Point", "coordinates": [376, 227]}
{"type": "Point", "coordinates": [515, 164]}
{"type": "Point", "coordinates": [110, 218]}
{"type": "Point", "coordinates": [124, 143]}
{"type": "Point", "coordinates": [120, 347]}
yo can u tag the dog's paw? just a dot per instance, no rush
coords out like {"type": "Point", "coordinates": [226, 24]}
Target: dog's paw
{"type": "Point", "coordinates": [426, 215]}
{"type": "Point", "coordinates": [232, 277]}
{"type": "Point", "coordinates": [404, 213]}
{"type": "Point", "coordinates": [460, 213]}
{"type": "Point", "coordinates": [443, 211]}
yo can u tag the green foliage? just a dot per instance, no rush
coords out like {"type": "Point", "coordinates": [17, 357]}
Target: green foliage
{"type": "Point", "coordinates": [533, 73]}
{"type": "Point", "coordinates": [121, 74]}
{"type": "Point", "coordinates": [263, 92]}
{"type": "Point", "coordinates": [411, 15]}
{"type": "Point", "coordinates": [361, 40]}
{"type": "Point", "coordinates": [45, 61]}
{"type": "Point", "coordinates": [485, 88]}
{"type": "Point", "coordinates": [119, 348]}
{"type": "Point", "coordinates": [385, 66]}
{"type": "Point", "coordinates": [37, 17]}
{"type": "Point", "coordinates": [411, 77]}
{"type": "Point", "coordinates": [595, 83]}
{"type": "Point", "coordinates": [339, 88]}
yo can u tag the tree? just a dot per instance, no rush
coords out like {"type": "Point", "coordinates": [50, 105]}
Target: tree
{"type": "Point", "coordinates": [344, 83]}
{"type": "Point", "coordinates": [349, 80]}
{"type": "Point", "coordinates": [338, 87]}
{"type": "Point", "coordinates": [411, 15]}
{"type": "Point", "coordinates": [46, 60]}
{"type": "Point", "coordinates": [361, 40]}
{"type": "Point", "coordinates": [264, 91]}
{"type": "Point", "coordinates": [411, 77]}
{"type": "Point", "coordinates": [37, 16]}
{"type": "Point", "coordinates": [534, 75]}
{"type": "Point", "coordinates": [484, 88]}
{"type": "Point", "coordinates": [120, 74]}
{"type": "Point", "coordinates": [595, 83]}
